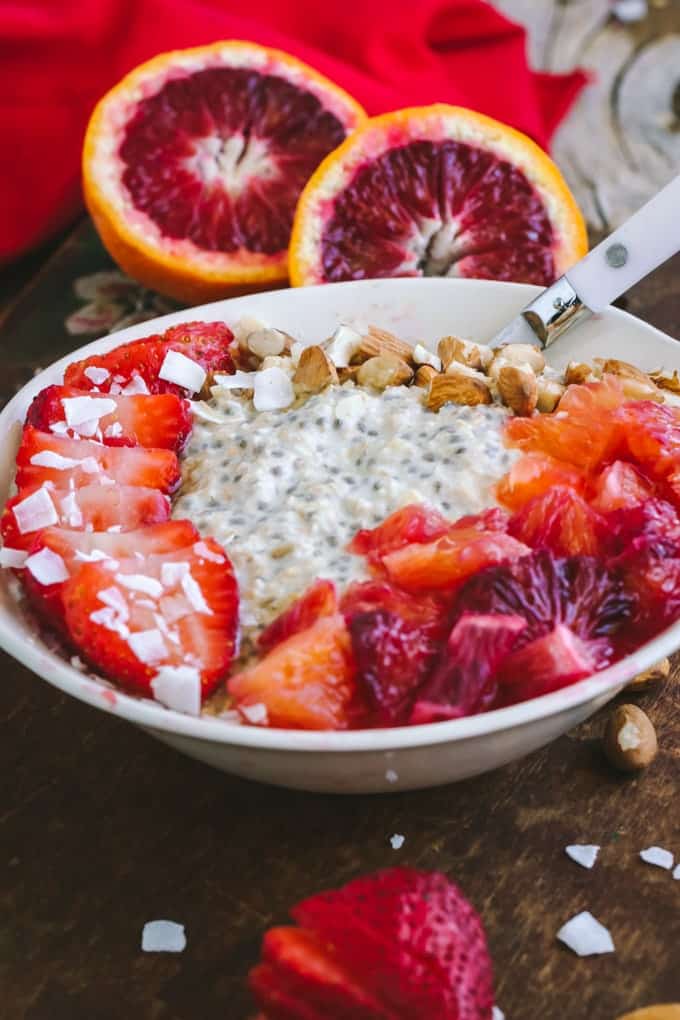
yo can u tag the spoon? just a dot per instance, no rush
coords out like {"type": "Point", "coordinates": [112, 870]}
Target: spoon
{"type": "Point", "coordinates": [638, 246]}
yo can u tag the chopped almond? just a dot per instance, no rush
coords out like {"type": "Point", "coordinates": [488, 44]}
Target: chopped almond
{"type": "Point", "coordinates": [457, 387]}
{"type": "Point", "coordinates": [314, 372]}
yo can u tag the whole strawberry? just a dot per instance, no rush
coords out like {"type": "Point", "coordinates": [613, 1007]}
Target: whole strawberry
{"type": "Point", "coordinates": [398, 945]}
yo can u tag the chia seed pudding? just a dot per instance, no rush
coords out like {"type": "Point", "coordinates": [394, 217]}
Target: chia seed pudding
{"type": "Point", "coordinates": [284, 491]}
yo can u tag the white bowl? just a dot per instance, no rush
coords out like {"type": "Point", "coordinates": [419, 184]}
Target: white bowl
{"type": "Point", "coordinates": [365, 761]}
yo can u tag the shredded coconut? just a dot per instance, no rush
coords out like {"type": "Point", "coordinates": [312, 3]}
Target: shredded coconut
{"type": "Point", "coordinates": [422, 356]}
{"type": "Point", "coordinates": [135, 385]}
{"type": "Point", "coordinates": [148, 646]}
{"type": "Point", "coordinates": [178, 688]}
{"type": "Point", "coordinates": [96, 375]}
{"type": "Point", "coordinates": [55, 461]}
{"type": "Point", "coordinates": [272, 390]}
{"type": "Point", "coordinates": [238, 381]}
{"type": "Point", "coordinates": [497, 1013]}
{"type": "Point", "coordinates": [203, 550]}
{"type": "Point", "coordinates": [179, 369]}
{"type": "Point", "coordinates": [139, 582]}
{"type": "Point", "coordinates": [391, 776]}
{"type": "Point", "coordinates": [47, 567]}
{"type": "Point", "coordinates": [172, 573]}
{"type": "Point", "coordinates": [192, 590]}
{"type": "Point", "coordinates": [79, 410]}
{"type": "Point", "coordinates": [255, 714]}
{"type": "Point", "coordinates": [12, 557]}
{"type": "Point", "coordinates": [35, 512]}
{"type": "Point", "coordinates": [397, 841]}
{"type": "Point", "coordinates": [657, 856]}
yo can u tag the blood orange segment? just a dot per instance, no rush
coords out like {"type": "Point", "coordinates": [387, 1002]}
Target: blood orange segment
{"type": "Point", "coordinates": [436, 191]}
{"type": "Point", "coordinates": [194, 162]}
{"type": "Point", "coordinates": [619, 486]}
{"type": "Point", "coordinates": [448, 561]}
{"type": "Point", "coordinates": [559, 520]}
{"type": "Point", "coordinates": [534, 474]}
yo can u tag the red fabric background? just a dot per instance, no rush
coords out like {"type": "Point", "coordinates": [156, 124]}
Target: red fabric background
{"type": "Point", "coordinates": [58, 57]}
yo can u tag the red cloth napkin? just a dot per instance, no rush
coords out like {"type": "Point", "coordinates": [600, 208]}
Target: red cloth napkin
{"type": "Point", "coordinates": [57, 58]}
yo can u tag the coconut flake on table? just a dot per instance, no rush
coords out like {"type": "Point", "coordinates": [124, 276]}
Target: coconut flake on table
{"type": "Point", "coordinates": [497, 1013]}
{"type": "Point", "coordinates": [179, 369]}
{"type": "Point", "coordinates": [585, 936]}
{"type": "Point", "coordinates": [47, 567]}
{"type": "Point", "coordinates": [163, 937]}
{"type": "Point", "coordinates": [79, 410]}
{"type": "Point", "coordinates": [255, 714]}
{"type": "Point", "coordinates": [178, 688]}
{"type": "Point", "coordinates": [12, 557]}
{"type": "Point", "coordinates": [391, 776]}
{"type": "Point", "coordinates": [657, 856]}
{"type": "Point", "coordinates": [422, 356]}
{"type": "Point", "coordinates": [676, 872]}
{"type": "Point", "coordinates": [35, 512]}
{"type": "Point", "coordinates": [272, 390]}
{"type": "Point", "coordinates": [96, 375]}
{"type": "Point", "coordinates": [397, 841]}
{"type": "Point", "coordinates": [584, 854]}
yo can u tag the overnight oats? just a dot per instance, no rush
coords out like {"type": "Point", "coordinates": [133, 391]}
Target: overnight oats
{"type": "Point", "coordinates": [359, 533]}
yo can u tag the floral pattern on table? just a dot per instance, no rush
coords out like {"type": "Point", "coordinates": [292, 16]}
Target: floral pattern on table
{"type": "Point", "coordinates": [112, 301]}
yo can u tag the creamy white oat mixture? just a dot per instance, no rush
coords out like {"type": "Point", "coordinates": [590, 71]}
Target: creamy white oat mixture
{"type": "Point", "coordinates": [284, 491]}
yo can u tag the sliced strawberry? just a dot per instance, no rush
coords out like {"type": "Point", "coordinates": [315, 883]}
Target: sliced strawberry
{"type": "Point", "coordinates": [553, 661]}
{"type": "Point", "coordinates": [57, 554]}
{"type": "Point", "coordinates": [464, 680]}
{"type": "Point", "coordinates": [584, 431]}
{"type": "Point", "coordinates": [411, 939]}
{"type": "Point", "coordinates": [413, 523]}
{"type": "Point", "coordinates": [619, 485]}
{"type": "Point", "coordinates": [559, 520]}
{"type": "Point", "coordinates": [299, 978]}
{"type": "Point", "coordinates": [306, 682]}
{"type": "Point", "coordinates": [91, 507]}
{"type": "Point", "coordinates": [545, 590]}
{"type": "Point", "coordinates": [136, 367]}
{"type": "Point", "coordinates": [170, 618]}
{"type": "Point", "coordinates": [70, 463]}
{"type": "Point", "coordinates": [448, 561]}
{"type": "Point", "coordinates": [534, 474]}
{"type": "Point", "coordinates": [162, 421]}
{"type": "Point", "coordinates": [319, 600]}
{"type": "Point", "coordinates": [393, 656]}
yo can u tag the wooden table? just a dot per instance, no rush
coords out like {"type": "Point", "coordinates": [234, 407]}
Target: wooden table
{"type": "Point", "coordinates": [103, 829]}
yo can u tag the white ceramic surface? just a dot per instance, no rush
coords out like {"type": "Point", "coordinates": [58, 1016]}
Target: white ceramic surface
{"type": "Point", "coordinates": [368, 760]}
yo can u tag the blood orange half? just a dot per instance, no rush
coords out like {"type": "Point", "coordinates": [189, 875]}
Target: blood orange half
{"type": "Point", "coordinates": [436, 191]}
{"type": "Point", "coordinates": [194, 162]}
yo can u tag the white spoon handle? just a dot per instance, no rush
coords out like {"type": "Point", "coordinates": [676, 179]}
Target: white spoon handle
{"type": "Point", "coordinates": [639, 245]}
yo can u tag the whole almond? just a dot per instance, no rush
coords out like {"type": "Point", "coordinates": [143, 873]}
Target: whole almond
{"type": "Point", "coordinates": [314, 371]}
{"type": "Point", "coordinates": [630, 739]}
{"type": "Point", "coordinates": [666, 382]}
{"type": "Point", "coordinates": [522, 354]}
{"type": "Point", "coordinates": [578, 372]}
{"type": "Point", "coordinates": [660, 671]}
{"type": "Point", "coordinates": [518, 389]}
{"type": "Point", "coordinates": [636, 384]}
{"type": "Point", "coordinates": [668, 1011]}
{"type": "Point", "coordinates": [450, 349]}
{"type": "Point", "coordinates": [457, 387]}
{"type": "Point", "coordinates": [550, 392]}
{"type": "Point", "coordinates": [378, 342]}
{"type": "Point", "coordinates": [425, 375]}
{"type": "Point", "coordinates": [348, 372]}
{"type": "Point", "coordinates": [384, 370]}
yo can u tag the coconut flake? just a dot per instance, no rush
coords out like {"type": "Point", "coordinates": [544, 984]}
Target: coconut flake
{"type": "Point", "coordinates": [193, 592]}
{"type": "Point", "coordinates": [35, 512]}
{"type": "Point", "coordinates": [47, 567]}
{"type": "Point", "coordinates": [676, 872]}
{"type": "Point", "coordinates": [657, 856]}
{"type": "Point", "coordinates": [79, 410]}
{"type": "Point", "coordinates": [12, 557]}
{"type": "Point", "coordinates": [204, 551]}
{"type": "Point", "coordinates": [71, 510]}
{"type": "Point", "coordinates": [113, 597]}
{"type": "Point", "coordinates": [50, 459]}
{"type": "Point", "coordinates": [255, 714]}
{"type": "Point", "coordinates": [205, 412]}
{"type": "Point", "coordinates": [148, 645]}
{"type": "Point", "coordinates": [110, 620]}
{"type": "Point", "coordinates": [60, 428]}
{"type": "Point", "coordinates": [238, 381]}
{"type": "Point", "coordinates": [142, 583]}
{"type": "Point", "coordinates": [172, 573]}
{"type": "Point", "coordinates": [91, 467]}
{"type": "Point", "coordinates": [397, 841]}
{"type": "Point", "coordinates": [135, 385]}
{"type": "Point", "coordinates": [115, 529]}
{"type": "Point", "coordinates": [163, 937]}
{"type": "Point", "coordinates": [391, 776]}
{"type": "Point", "coordinates": [422, 356]}
{"type": "Point", "coordinates": [343, 345]}
{"type": "Point", "coordinates": [585, 936]}
{"type": "Point", "coordinates": [94, 556]}
{"type": "Point", "coordinates": [629, 11]}
{"type": "Point", "coordinates": [272, 390]}
{"type": "Point", "coordinates": [179, 688]}
{"type": "Point", "coordinates": [584, 854]}
{"type": "Point", "coordinates": [177, 368]}
{"type": "Point", "coordinates": [96, 375]}
{"type": "Point", "coordinates": [497, 1013]}
{"type": "Point", "coordinates": [113, 430]}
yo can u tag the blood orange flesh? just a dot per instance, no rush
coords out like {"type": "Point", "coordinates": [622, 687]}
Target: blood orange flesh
{"type": "Point", "coordinates": [194, 162]}
{"type": "Point", "coordinates": [436, 191]}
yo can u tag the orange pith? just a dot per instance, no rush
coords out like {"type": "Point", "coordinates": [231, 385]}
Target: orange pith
{"type": "Point", "coordinates": [438, 123]}
{"type": "Point", "coordinates": [184, 270]}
